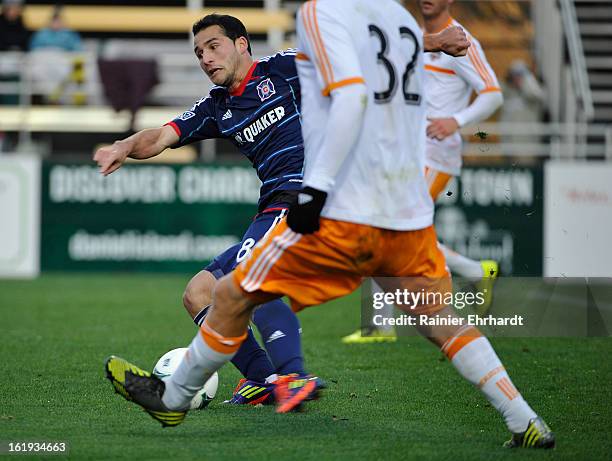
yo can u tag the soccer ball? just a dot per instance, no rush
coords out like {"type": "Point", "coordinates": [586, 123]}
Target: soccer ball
{"type": "Point", "coordinates": [169, 362]}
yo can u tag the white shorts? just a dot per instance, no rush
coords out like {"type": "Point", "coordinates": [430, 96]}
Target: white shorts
{"type": "Point", "coordinates": [445, 155]}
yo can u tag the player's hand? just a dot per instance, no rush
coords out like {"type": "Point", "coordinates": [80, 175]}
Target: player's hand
{"type": "Point", "coordinates": [304, 215]}
{"type": "Point", "coordinates": [453, 41]}
{"type": "Point", "coordinates": [110, 158]}
{"type": "Point", "coordinates": [441, 128]}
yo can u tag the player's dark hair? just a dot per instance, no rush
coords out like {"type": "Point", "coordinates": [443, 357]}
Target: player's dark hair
{"type": "Point", "coordinates": [232, 27]}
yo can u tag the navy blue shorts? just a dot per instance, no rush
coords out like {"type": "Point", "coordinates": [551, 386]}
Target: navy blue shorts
{"type": "Point", "coordinates": [262, 223]}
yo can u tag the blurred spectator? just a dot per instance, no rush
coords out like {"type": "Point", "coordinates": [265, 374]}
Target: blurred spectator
{"type": "Point", "coordinates": [13, 34]}
{"type": "Point", "coordinates": [524, 100]}
{"type": "Point", "coordinates": [13, 37]}
{"type": "Point", "coordinates": [57, 73]}
{"type": "Point", "coordinates": [56, 35]}
{"type": "Point", "coordinates": [523, 95]}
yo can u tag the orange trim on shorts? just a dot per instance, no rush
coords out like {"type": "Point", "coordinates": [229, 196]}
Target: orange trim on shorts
{"type": "Point", "coordinates": [348, 81]}
{"type": "Point", "coordinates": [441, 70]}
{"type": "Point", "coordinates": [256, 297]}
{"type": "Point", "coordinates": [301, 57]}
{"type": "Point", "coordinates": [464, 336]}
{"type": "Point", "coordinates": [259, 270]}
{"type": "Point", "coordinates": [436, 181]}
{"type": "Point", "coordinates": [221, 344]}
{"type": "Point", "coordinates": [315, 268]}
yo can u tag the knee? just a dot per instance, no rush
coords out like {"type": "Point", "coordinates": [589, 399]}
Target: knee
{"type": "Point", "coordinates": [198, 292]}
{"type": "Point", "coordinates": [190, 299]}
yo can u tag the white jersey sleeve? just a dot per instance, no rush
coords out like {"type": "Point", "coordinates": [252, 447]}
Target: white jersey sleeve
{"type": "Point", "coordinates": [345, 113]}
{"type": "Point", "coordinates": [475, 69]}
{"type": "Point", "coordinates": [328, 45]}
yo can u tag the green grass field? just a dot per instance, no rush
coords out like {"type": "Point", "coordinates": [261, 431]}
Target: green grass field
{"type": "Point", "coordinates": [388, 401]}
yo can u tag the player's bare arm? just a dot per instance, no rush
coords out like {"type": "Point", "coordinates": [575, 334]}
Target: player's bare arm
{"type": "Point", "coordinates": [452, 41]}
{"type": "Point", "coordinates": [144, 144]}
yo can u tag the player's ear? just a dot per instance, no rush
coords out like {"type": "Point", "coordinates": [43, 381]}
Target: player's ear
{"type": "Point", "coordinates": [242, 44]}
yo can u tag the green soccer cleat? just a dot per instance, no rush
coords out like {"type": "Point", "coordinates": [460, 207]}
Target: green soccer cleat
{"type": "Point", "coordinates": [369, 336]}
{"type": "Point", "coordinates": [490, 270]}
{"type": "Point", "coordinates": [138, 386]}
{"type": "Point", "coordinates": [537, 435]}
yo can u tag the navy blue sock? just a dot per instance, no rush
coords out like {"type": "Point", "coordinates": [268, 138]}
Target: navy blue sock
{"type": "Point", "coordinates": [280, 332]}
{"type": "Point", "coordinates": [251, 360]}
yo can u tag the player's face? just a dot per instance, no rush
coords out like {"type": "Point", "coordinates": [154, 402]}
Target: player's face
{"type": "Point", "coordinates": [217, 54]}
{"type": "Point", "coordinates": [433, 8]}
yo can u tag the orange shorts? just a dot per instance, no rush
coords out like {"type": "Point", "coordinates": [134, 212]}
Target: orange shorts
{"type": "Point", "coordinates": [316, 268]}
{"type": "Point", "coordinates": [436, 181]}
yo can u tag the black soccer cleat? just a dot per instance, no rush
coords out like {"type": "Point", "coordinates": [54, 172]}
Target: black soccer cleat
{"type": "Point", "coordinates": [537, 435]}
{"type": "Point", "coordinates": [138, 386]}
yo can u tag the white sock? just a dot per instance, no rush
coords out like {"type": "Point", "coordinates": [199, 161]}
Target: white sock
{"type": "Point", "coordinates": [477, 362]}
{"type": "Point", "coordinates": [199, 364]}
{"type": "Point", "coordinates": [460, 265]}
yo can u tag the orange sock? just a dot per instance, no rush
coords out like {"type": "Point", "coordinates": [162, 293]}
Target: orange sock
{"type": "Point", "coordinates": [220, 343]}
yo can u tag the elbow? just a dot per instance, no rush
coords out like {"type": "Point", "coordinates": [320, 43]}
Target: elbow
{"type": "Point", "coordinates": [498, 99]}
{"type": "Point", "coordinates": [361, 98]}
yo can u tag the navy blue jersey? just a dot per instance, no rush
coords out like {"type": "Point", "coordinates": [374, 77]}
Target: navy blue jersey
{"type": "Point", "coordinates": [261, 118]}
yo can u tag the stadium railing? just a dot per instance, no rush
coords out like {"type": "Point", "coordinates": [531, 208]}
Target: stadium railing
{"type": "Point", "coordinates": [554, 140]}
{"type": "Point", "coordinates": [580, 79]}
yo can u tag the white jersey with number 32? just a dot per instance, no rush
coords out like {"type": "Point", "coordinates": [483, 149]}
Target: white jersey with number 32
{"type": "Point", "coordinates": [379, 44]}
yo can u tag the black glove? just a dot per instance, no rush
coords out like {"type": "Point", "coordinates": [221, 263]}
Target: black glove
{"type": "Point", "coordinates": [304, 214]}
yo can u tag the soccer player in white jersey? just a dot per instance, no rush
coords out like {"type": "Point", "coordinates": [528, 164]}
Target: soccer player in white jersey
{"type": "Point", "coordinates": [364, 210]}
{"type": "Point", "coordinates": [450, 82]}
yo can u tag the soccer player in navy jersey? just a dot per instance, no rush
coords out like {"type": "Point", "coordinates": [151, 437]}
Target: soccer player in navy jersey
{"type": "Point", "coordinates": [254, 104]}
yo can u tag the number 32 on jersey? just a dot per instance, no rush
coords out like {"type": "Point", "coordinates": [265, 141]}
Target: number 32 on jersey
{"type": "Point", "coordinates": [410, 93]}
